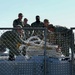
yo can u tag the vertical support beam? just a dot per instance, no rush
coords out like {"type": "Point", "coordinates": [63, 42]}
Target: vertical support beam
{"type": "Point", "coordinates": [72, 48]}
{"type": "Point", "coordinates": [45, 34]}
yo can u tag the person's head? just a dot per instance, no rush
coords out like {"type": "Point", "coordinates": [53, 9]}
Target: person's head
{"type": "Point", "coordinates": [25, 20]}
{"type": "Point", "coordinates": [51, 27]}
{"type": "Point", "coordinates": [19, 29]}
{"type": "Point", "coordinates": [20, 15]}
{"type": "Point", "coordinates": [46, 22]}
{"type": "Point", "coordinates": [37, 18]}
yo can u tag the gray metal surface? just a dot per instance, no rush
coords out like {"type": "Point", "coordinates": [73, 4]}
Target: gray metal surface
{"type": "Point", "coordinates": [58, 67]}
{"type": "Point", "coordinates": [35, 66]}
{"type": "Point", "coordinates": [17, 68]}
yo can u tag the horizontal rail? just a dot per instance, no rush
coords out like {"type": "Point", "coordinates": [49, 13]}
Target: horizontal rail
{"type": "Point", "coordinates": [29, 28]}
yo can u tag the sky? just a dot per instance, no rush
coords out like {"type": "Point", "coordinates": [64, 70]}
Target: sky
{"type": "Point", "coordinates": [58, 12]}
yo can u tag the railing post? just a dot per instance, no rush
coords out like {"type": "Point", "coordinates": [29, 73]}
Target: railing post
{"type": "Point", "coordinates": [45, 33]}
{"type": "Point", "coordinates": [72, 48]}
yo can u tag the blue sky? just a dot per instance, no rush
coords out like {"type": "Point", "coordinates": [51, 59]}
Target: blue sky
{"type": "Point", "coordinates": [59, 12]}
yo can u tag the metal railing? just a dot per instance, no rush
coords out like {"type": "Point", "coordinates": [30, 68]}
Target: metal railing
{"type": "Point", "coordinates": [63, 39]}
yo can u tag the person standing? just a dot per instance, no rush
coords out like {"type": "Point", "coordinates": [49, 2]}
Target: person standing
{"type": "Point", "coordinates": [46, 23]}
{"type": "Point", "coordinates": [25, 22]}
{"type": "Point", "coordinates": [36, 24]}
{"type": "Point", "coordinates": [18, 21]}
{"type": "Point", "coordinates": [26, 25]}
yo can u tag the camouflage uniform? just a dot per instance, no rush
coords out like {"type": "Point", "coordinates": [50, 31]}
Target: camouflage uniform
{"type": "Point", "coordinates": [17, 22]}
{"type": "Point", "coordinates": [27, 32]}
{"type": "Point", "coordinates": [37, 32]}
{"type": "Point", "coordinates": [63, 39]}
{"type": "Point", "coordinates": [10, 39]}
{"type": "Point", "coordinates": [51, 37]}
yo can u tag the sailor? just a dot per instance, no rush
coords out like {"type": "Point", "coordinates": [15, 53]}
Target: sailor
{"type": "Point", "coordinates": [27, 31]}
{"type": "Point", "coordinates": [36, 24]}
{"type": "Point", "coordinates": [46, 23]}
{"type": "Point", "coordinates": [13, 40]}
{"type": "Point", "coordinates": [51, 34]}
{"type": "Point", "coordinates": [18, 21]}
{"type": "Point", "coordinates": [63, 38]}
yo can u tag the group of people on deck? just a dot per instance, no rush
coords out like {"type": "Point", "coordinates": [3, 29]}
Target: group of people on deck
{"type": "Point", "coordinates": [13, 39]}
{"type": "Point", "coordinates": [24, 24]}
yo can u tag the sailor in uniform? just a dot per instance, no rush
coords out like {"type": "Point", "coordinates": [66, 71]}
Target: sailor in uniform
{"type": "Point", "coordinates": [13, 40]}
